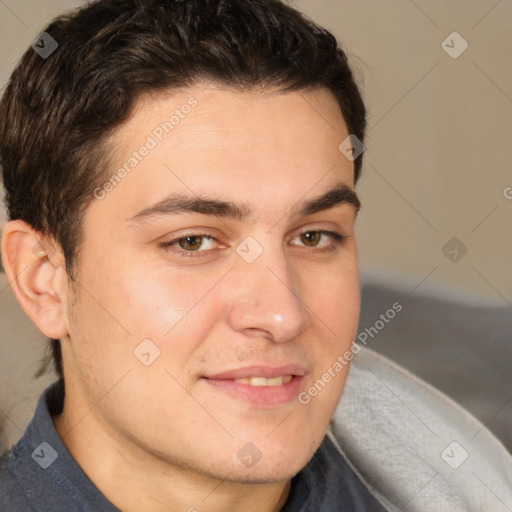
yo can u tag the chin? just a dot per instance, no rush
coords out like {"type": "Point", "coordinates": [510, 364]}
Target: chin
{"type": "Point", "coordinates": [264, 475]}
{"type": "Point", "coordinates": [267, 470]}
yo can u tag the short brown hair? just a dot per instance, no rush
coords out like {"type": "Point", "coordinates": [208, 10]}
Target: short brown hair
{"type": "Point", "coordinates": [56, 111]}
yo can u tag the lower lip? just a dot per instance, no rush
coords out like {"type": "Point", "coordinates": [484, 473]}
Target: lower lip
{"type": "Point", "coordinates": [262, 396]}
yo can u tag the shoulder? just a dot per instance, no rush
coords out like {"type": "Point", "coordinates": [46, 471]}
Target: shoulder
{"type": "Point", "coordinates": [29, 479]}
{"type": "Point", "coordinates": [25, 486]}
{"type": "Point", "coordinates": [13, 495]}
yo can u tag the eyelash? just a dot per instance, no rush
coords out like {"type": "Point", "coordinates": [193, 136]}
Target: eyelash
{"type": "Point", "coordinates": [338, 240]}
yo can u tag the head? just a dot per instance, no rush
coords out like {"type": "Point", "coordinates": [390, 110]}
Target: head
{"type": "Point", "coordinates": [172, 177]}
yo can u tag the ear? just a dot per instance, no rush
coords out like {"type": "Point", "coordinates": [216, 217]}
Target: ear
{"type": "Point", "coordinates": [35, 269]}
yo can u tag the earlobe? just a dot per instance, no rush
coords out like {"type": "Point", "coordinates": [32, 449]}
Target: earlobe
{"type": "Point", "coordinates": [37, 277]}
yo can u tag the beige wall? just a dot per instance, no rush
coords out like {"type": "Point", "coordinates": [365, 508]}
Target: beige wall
{"type": "Point", "coordinates": [437, 160]}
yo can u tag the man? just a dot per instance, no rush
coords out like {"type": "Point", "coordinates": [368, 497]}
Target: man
{"type": "Point", "coordinates": [182, 229]}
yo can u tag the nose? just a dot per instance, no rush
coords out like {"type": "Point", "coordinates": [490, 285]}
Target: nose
{"type": "Point", "coordinates": [268, 299]}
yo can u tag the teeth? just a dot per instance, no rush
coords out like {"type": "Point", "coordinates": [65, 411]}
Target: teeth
{"type": "Point", "coordinates": [259, 381]}
{"type": "Point", "coordinates": [262, 381]}
{"type": "Point", "coordinates": [274, 381]}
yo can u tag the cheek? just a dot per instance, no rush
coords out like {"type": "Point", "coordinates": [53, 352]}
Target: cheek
{"type": "Point", "coordinates": [144, 299]}
{"type": "Point", "coordinates": [169, 303]}
{"type": "Point", "coordinates": [336, 304]}
{"type": "Point", "coordinates": [335, 298]}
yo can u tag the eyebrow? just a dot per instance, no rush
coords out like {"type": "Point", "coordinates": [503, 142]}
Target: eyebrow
{"type": "Point", "coordinates": [181, 203]}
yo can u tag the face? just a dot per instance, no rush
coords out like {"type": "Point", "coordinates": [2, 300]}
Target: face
{"type": "Point", "coordinates": [192, 333]}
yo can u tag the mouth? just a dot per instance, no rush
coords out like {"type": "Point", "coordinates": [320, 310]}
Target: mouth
{"type": "Point", "coordinates": [260, 386]}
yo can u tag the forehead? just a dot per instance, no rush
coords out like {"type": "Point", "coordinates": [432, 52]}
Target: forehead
{"type": "Point", "coordinates": [204, 139]}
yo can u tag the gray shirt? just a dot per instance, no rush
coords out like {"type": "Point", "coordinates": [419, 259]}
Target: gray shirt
{"type": "Point", "coordinates": [39, 474]}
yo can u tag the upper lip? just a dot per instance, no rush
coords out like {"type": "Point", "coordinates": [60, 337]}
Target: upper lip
{"type": "Point", "coordinates": [259, 371]}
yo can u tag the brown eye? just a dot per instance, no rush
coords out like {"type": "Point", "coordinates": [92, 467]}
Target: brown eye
{"type": "Point", "coordinates": [193, 244]}
{"type": "Point", "coordinates": [311, 238]}
{"type": "Point", "coordinates": [317, 238]}
{"type": "Point", "coordinates": [190, 243]}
